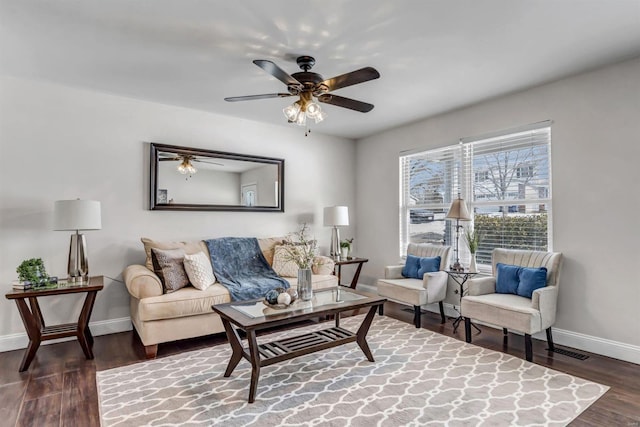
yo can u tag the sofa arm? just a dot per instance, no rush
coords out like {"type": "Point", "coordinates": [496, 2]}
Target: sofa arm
{"type": "Point", "coordinates": [545, 300]}
{"type": "Point", "coordinates": [393, 272]}
{"type": "Point", "coordinates": [142, 282]}
{"type": "Point", "coordinates": [436, 285]}
{"type": "Point", "coordinates": [323, 265]}
{"type": "Point", "coordinates": [481, 286]}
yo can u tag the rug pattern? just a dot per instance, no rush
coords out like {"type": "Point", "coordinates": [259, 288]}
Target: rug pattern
{"type": "Point", "coordinates": [420, 378]}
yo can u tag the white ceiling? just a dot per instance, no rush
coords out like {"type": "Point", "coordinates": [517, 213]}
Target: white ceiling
{"type": "Point", "coordinates": [433, 56]}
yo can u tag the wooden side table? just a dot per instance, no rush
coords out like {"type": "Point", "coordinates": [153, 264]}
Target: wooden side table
{"type": "Point", "coordinates": [34, 323]}
{"type": "Point", "coordinates": [354, 260]}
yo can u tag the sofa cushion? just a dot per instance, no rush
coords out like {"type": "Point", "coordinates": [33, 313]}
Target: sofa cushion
{"type": "Point", "coordinates": [188, 247]}
{"type": "Point", "coordinates": [268, 245]}
{"type": "Point", "coordinates": [507, 278]}
{"type": "Point", "coordinates": [168, 265]}
{"type": "Point", "coordinates": [411, 267]}
{"type": "Point", "coordinates": [199, 270]}
{"type": "Point", "coordinates": [283, 264]}
{"type": "Point", "coordinates": [428, 265]}
{"type": "Point", "coordinates": [187, 301]}
{"type": "Point", "coordinates": [531, 279]}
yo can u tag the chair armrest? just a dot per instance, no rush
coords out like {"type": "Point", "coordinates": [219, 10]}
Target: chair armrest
{"type": "Point", "coordinates": [481, 286]}
{"type": "Point", "coordinates": [142, 282]}
{"type": "Point", "coordinates": [436, 285]}
{"type": "Point", "coordinates": [393, 272]}
{"type": "Point", "coordinates": [323, 265]}
{"type": "Point", "coordinates": [545, 300]}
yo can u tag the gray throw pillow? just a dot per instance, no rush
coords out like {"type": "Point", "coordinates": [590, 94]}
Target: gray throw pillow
{"type": "Point", "coordinates": [168, 265]}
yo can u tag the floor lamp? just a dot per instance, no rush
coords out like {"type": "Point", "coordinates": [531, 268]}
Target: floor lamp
{"type": "Point", "coordinates": [77, 215]}
{"type": "Point", "coordinates": [336, 216]}
{"type": "Point", "coordinates": [459, 212]}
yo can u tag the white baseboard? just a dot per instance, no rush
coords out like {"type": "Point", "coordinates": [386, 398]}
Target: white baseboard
{"type": "Point", "coordinates": [578, 341]}
{"type": "Point", "coordinates": [102, 327]}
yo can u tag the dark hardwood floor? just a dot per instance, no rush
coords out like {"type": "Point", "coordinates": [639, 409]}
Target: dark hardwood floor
{"type": "Point", "coordinates": [59, 389]}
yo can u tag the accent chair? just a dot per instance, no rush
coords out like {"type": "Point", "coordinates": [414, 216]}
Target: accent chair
{"type": "Point", "coordinates": [430, 288]}
{"type": "Point", "coordinates": [511, 310]}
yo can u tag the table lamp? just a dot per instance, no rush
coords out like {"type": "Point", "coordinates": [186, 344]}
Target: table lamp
{"type": "Point", "coordinates": [336, 216]}
{"type": "Point", "coordinates": [458, 211]}
{"type": "Point", "coordinates": [77, 215]}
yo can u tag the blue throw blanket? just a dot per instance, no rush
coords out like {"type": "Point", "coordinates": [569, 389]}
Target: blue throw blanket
{"type": "Point", "coordinates": [239, 266]}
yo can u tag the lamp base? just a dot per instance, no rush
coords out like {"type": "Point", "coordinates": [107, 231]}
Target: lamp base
{"type": "Point", "coordinates": [335, 243]}
{"type": "Point", "coordinates": [78, 265]}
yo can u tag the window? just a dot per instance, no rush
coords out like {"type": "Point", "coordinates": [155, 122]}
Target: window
{"type": "Point", "coordinates": [505, 180]}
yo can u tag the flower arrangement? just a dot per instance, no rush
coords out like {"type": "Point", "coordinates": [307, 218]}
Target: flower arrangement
{"type": "Point", "coordinates": [346, 243]}
{"type": "Point", "coordinates": [473, 239]}
{"type": "Point", "coordinates": [300, 249]}
{"type": "Point", "coordinates": [32, 270]}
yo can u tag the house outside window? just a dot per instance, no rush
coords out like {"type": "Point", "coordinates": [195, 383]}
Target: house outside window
{"type": "Point", "coordinates": [505, 180]}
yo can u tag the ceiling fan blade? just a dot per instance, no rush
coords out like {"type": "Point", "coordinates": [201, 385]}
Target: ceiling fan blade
{"type": "Point", "coordinates": [252, 97]}
{"type": "Point", "coordinates": [277, 72]}
{"type": "Point", "coordinates": [353, 78]}
{"type": "Point", "coordinates": [349, 103]}
{"type": "Point", "coordinates": [209, 163]}
{"type": "Point", "coordinates": [164, 159]}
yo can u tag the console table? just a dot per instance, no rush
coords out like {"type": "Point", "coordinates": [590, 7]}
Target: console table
{"type": "Point", "coordinates": [355, 260]}
{"type": "Point", "coordinates": [34, 323]}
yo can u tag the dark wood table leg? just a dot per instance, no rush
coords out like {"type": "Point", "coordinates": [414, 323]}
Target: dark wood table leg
{"type": "Point", "coordinates": [84, 335]}
{"type": "Point", "coordinates": [356, 276]}
{"type": "Point", "coordinates": [33, 332]}
{"type": "Point", "coordinates": [361, 335]}
{"type": "Point", "coordinates": [37, 314]}
{"type": "Point", "coordinates": [236, 347]}
{"type": "Point", "coordinates": [255, 364]}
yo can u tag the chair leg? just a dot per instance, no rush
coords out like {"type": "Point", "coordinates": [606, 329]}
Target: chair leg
{"type": "Point", "coordinates": [504, 331]}
{"type": "Point", "coordinates": [467, 329]}
{"type": "Point", "coordinates": [417, 315]}
{"type": "Point", "coordinates": [444, 319]}
{"type": "Point", "coordinates": [381, 309]}
{"type": "Point", "coordinates": [528, 349]}
{"type": "Point", "coordinates": [550, 339]}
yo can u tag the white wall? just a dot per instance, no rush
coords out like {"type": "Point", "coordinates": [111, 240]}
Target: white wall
{"type": "Point", "coordinates": [62, 143]}
{"type": "Point", "coordinates": [595, 151]}
{"type": "Point", "coordinates": [207, 187]}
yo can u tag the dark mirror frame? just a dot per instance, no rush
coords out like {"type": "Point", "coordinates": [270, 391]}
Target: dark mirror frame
{"type": "Point", "coordinates": [153, 181]}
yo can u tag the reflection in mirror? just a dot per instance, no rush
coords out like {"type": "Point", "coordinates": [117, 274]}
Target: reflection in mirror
{"type": "Point", "coordinates": [194, 179]}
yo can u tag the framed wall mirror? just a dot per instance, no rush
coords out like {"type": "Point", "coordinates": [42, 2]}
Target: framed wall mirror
{"type": "Point", "coordinates": [183, 178]}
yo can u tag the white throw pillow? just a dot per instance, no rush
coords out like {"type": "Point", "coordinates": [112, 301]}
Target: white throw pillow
{"type": "Point", "coordinates": [199, 270]}
{"type": "Point", "coordinates": [282, 265]}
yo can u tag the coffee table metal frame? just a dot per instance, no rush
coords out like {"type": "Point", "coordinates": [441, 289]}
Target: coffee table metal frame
{"type": "Point", "coordinates": [260, 355]}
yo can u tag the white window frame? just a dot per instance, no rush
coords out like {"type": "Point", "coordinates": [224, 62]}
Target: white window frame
{"type": "Point", "coordinates": [464, 178]}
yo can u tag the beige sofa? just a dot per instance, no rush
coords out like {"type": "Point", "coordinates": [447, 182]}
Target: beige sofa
{"type": "Point", "coordinates": [186, 313]}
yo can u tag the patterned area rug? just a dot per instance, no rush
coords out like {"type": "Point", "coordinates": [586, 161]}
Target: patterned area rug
{"type": "Point", "coordinates": [419, 378]}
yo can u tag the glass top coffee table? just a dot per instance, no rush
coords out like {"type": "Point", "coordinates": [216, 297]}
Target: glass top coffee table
{"type": "Point", "coordinates": [252, 316]}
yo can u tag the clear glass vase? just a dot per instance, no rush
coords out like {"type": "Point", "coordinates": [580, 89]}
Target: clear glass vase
{"type": "Point", "coordinates": [305, 289]}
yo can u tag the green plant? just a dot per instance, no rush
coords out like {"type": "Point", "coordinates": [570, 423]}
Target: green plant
{"type": "Point", "coordinates": [346, 243]}
{"type": "Point", "coordinates": [302, 250]}
{"type": "Point", "coordinates": [473, 238]}
{"type": "Point", "coordinates": [32, 270]}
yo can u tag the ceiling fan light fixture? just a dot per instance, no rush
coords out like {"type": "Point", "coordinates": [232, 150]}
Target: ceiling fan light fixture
{"type": "Point", "coordinates": [301, 120]}
{"type": "Point", "coordinates": [313, 109]}
{"type": "Point", "coordinates": [186, 167]}
{"type": "Point", "coordinates": [320, 116]}
{"type": "Point", "coordinates": [291, 111]}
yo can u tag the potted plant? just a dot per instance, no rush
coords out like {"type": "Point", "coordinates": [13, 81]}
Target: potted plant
{"type": "Point", "coordinates": [302, 250]}
{"type": "Point", "coordinates": [345, 248]}
{"type": "Point", "coordinates": [32, 270]}
{"type": "Point", "coordinates": [472, 237]}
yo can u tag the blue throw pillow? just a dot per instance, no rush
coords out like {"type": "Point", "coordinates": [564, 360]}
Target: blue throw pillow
{"type": "Point", "coordinates": [530, 280]}
{"type": "Point", "coordinates": [428, 265]}
{"type": "Point", "coordinates": [411, 267]}
{"type": "Point", "coordinates": [507, 280]}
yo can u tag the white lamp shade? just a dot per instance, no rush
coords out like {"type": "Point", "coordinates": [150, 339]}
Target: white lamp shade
{"type": "Point", "coordinates": [77, 215]}
{"type": "Point", "coordinates": [458, 210]}
{"type": "Point", "coordinates": [336, 216]}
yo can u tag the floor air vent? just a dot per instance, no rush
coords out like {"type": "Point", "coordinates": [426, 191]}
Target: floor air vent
{"type": "Point", "coordinates": [570, 353]}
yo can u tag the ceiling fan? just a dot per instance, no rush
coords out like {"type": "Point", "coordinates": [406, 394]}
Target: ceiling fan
{"type": "Point", "coordinates": [309, 86]}
{"type": "Point", "coordinates": [185, 166]}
